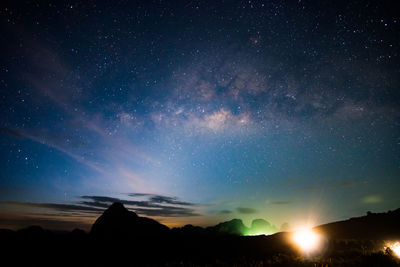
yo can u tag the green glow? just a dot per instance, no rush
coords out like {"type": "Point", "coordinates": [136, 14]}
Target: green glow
{"type": "Point", "coordinates": [260, 227]}
{"type": "Point", "coordinates": [250, 233]}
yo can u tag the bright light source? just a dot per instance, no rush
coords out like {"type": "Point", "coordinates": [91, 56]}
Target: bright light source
{"type": "Point", "coordinates": [307, 240]}
{"type": "Point", "coordinates": [396, 248]}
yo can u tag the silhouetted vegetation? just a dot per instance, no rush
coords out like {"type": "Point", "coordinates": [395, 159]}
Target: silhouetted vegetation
{"type": "Point", "coordinates": [122, 238]}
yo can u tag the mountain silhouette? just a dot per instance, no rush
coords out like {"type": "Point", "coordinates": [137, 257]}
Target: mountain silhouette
{"type": "Point", "coordinates": [234, 227]}
{"type": "Point", "coordinates": [189, 230]}
{"type": "Point", "coordinates": [260, 227]}
{"type": "Point", "coordinates": [119, 222]}
{"type": "Point", "coordinates": [121, 237]}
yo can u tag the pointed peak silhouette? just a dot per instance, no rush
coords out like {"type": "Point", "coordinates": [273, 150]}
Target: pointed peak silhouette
{"type": "Point", "coordinates": [117, 206]}
{"type": "Point", "coordinates": [119, 222]}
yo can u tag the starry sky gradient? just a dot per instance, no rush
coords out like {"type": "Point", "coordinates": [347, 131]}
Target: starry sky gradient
{"type": "Point", "coordinates": [198, 111]}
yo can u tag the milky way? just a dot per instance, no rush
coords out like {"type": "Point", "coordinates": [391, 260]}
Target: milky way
{"type": "Point", "coordinates": [198, 111]}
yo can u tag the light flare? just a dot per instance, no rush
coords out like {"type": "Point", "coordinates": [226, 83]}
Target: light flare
{"type": "Point", "coordinates": [307, 240]}
{"type": "Point", "coordinates": [395, 248]}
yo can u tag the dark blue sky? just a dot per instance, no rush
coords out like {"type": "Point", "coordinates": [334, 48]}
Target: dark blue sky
{"type": "Point", "coordinates": [198, 111]}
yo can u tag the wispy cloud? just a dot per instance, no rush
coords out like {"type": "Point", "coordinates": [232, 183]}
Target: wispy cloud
{"type": "Point", "coordinates": [245, 210]}
{"type": "Point", "coordinates": [168, 200]}
{"type": "Point", "coordinates": [270, 202]}
{"type": "Point", "coordinates": [99, 142]}
{"type": "Point", "coordinates": [332, 186]}
{"type": "Point", "coordinates": [372, 199]}
{"type": "Point", "coordinates": [154, 205]}
{"type": "Point", "coordinates": [55, 206]}
{"type": "Point", "coordinates": [91, 206]}
{"type": "Point", "coordinates": [53, 142]}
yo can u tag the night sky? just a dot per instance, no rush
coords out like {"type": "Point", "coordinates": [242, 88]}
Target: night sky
{"type": "Point", "coordinates": [198, 111]}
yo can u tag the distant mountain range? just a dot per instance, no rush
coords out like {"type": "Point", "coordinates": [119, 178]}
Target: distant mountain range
{"type": "Point", "coordinates": [117, 221]}
{"type": "Point", "coordinates": [121, 237]}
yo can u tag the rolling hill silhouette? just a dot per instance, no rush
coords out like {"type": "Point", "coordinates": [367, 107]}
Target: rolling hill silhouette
{"type": "Point", "coordinates": [120, 236]}
{"type": "Point", "coordinates": [119, 222]}
{"type": "Point", "coordinates": [378, 226]}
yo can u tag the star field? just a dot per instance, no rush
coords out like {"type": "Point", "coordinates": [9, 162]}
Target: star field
{"type": "Point", "coordinates": [199, 111]}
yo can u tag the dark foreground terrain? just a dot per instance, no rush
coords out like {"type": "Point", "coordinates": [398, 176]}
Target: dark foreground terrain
{"type": "Point", "coordinates": [121, 238]}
